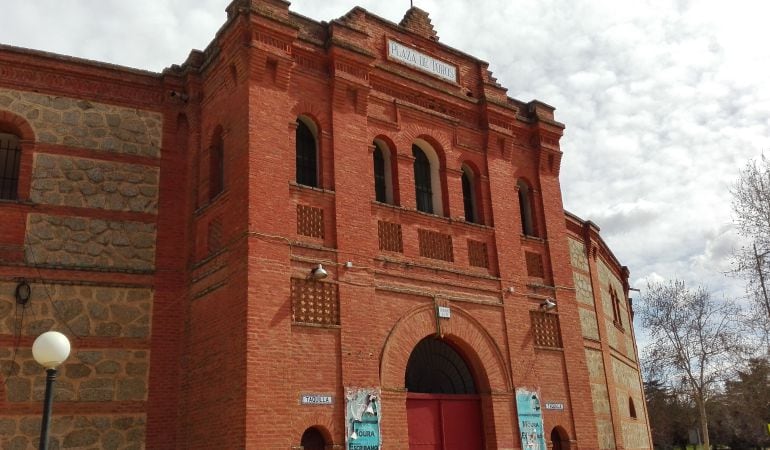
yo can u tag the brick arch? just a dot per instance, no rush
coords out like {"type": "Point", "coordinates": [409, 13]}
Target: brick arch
{"type": "Point", "coordinates": [314, 112]}
{"type": "Point", "coordinates": [439, 140]}
{"type": "Point", "coordinates": [324, 423]}
{"type": "Point", "coordinates": [17, 125]}
{"type": "Point", "coordinates": [466, 333]}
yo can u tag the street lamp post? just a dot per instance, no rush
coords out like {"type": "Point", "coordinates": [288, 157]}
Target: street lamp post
{"type": "Point", "coordinates": [50, 349]}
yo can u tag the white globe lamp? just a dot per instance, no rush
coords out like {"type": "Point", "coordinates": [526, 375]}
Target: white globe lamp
{"type": "Point", "coordinates": [50, 349]}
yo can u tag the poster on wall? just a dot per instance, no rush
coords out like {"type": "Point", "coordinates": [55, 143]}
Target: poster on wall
{"type": "Point", "coordinates": [362, 418]}
{"type": "Point", "coordinates": [530, 419]}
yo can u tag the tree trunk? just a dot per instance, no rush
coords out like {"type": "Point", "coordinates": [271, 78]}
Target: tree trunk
{"type": "Point", "coordinates": [761, 279]}
{"type": "Point", "coordinates": [704, 424]}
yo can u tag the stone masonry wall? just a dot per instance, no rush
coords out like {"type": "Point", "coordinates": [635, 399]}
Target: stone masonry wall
{"type": "Point", "coordinates": [125, 432]}
{"type": "Point", "coordinates": [583, 290]}
{"type": "Point", "coordinates": [86, 124]}
{"type": "Point", "coordinates": [627, 386]}
{"type": "Point", "coordinates": [89, 376]}
{"type": "Point", "coordinates": [577, 254]}
{"type": "Point", "coordinates": [90, 243]}
{"type": "Point", "coordinates": [86, 376]}
{"type": "Point", "coordinates": [621, 341]}
{"type": "Point", "coordinates": [86, 310]}
{"type": "Point", "coordinates": [600, 397]}
{"type": "Point", "coordinates": [88, 183]}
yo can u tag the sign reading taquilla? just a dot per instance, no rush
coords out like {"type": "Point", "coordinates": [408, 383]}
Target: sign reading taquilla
{"type": "Point", "coordinates": [411, 57]}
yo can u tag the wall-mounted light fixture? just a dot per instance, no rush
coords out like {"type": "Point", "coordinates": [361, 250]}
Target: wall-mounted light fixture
{"type": "Point", "coordinates": [548, 304]}
{"type": "Point", "coordinates": [178, 95]}
{"type": "Point", "coordinates": [23, 292]}
{"type": "Point", "coordinates": [318, 272]}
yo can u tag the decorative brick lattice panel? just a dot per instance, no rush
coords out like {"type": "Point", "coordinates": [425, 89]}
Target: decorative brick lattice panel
{"type": "Point", "coordinates": [215, 235]}
{"type": "Point", "coordinates": [390, 236]}
{"type": "Point", "coordinates": [314, 302]}
{"type": "Point", "coordinates": [534, 265]}
{"type": "Point", "coordinates": [436, 245]}
{"type": "Point", "coordinates": [477, 254]}
{"type": "Point", "coordinates": [545, 327]}
{"type": "Point", "coordinates": [310, 221]}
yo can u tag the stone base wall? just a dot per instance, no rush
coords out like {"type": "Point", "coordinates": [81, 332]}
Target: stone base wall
{"type": "Point", "coordinates": [97, 432]}
{"type": "Point", "coordinates": [90, 243]}
{"type": "Point", "coordinates": [100, 311]}
{"type": "Point", "coordinates": [87, 376]}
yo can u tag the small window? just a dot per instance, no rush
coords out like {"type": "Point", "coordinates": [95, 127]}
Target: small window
{"type": "Point", "coordinates": [616, 311]}
{"type": "Point", "coordinates": [469, 195]}
{"type": "Point", "coordinates": [525, 207]}
{"type": "Point", "coordinates": [631, 408]}
{"type": "Point", "coordinates": [216, 165]}
{"type": "Point", "coordinates": [307, 165]}
{"type": "Point", "coordinates": [10, 159]}
{"type": "Point", "coordinates": [380, 188]}
{"type": "Point", "coordinates": [422, 180]}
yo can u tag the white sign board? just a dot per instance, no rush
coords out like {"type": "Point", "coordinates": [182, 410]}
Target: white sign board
{"type": "Point", "coordinates": [315, 399]}
{"type": "Point", "coordinates": [556, 406]}
{"type": "Point", "coordinates": [444, 312]}
{"type": "Point", "coordinates": [411, 57]}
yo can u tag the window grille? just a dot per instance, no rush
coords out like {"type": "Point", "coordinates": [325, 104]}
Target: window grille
{"type": "Point", "coordinates": [314, 302]}
{"type": "Point", "coordinates": [422, 181]}
{"type": "Point", "coordinates": [390, 236]}
{"type": "Point", "coordinates": [10, 159]}
{"type": "Point", "coordinates": [477, 254]}
{"type": "Point", "coordinates": [534, 264]}
{"type": "Point", "coordinates": [379, 175]}
{"type": "Point", "coordinates": [436, 245]}
{"type": "Point", "coordinates": [470, 212]}
{"type": "Point", "coordinates": [310, 221]}
{"type": "Point", "coordinates": [525, 207]}
{"type": "Point", "coordinates": [545, 328]}
{"type": "Point", "coordinates": [307, 170]}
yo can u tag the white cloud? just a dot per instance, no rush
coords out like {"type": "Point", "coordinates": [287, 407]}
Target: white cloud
{"type": "Point", "coordinates": [663, 101]}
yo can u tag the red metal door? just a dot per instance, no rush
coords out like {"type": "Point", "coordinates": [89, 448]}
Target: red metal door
{"type": "Point", "coordinates": [444, 422]}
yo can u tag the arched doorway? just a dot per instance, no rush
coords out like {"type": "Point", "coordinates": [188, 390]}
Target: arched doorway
{"type": "Point", "coordinates": [312, 439]}
{"type": "Point", "coordinates": [443, 406]}
{"type": "Point", "coordinates": [559, 439]}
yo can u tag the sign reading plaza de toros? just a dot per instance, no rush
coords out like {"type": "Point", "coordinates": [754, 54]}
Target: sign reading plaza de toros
{"type": "Point", "coordinates": [411, 57]}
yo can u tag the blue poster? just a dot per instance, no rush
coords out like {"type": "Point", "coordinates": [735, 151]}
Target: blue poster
{"type": "Point", "coordinates": [530, 419]}
{"type": "Point", "coordinates": [362, 414]}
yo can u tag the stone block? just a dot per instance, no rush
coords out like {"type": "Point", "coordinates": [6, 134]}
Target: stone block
{"type": "Point", "coordinates": [62, 120]}
{"type": "Point", "coordinates": [82, 182]}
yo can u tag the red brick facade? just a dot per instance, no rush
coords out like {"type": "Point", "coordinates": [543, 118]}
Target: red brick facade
{"type": "Point", "coordinates": [236, 330]}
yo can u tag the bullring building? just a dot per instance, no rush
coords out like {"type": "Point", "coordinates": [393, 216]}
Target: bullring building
{"type": "Point", "coordinates": [318, 235]}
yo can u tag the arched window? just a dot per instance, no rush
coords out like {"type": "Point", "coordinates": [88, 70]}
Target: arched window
{"type": "Point", "coordinates": [379, 175]}
{"type": "Point", "coordinates": [469, 195]}
{"type": "Point", "coordinates": [216, 164]}
{"type": "Point", "coordinates": [312, 439]}
{"type": "Point", "coordinates": [435, 367]}
{"type": "Point", "coordinates": [423, 186]}
{"type": "Point", "coordinates": [525, 207]}
{"type": "Point", "coordinates": [10, 159]}
{"type": "Point", "coordinates": [631, 408]}
{"type": "Point", "coordinates": [307, 160]}
{"type": "Point", "coordinates": [616, 312]}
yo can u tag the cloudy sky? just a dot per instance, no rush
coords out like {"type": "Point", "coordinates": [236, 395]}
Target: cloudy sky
{"type": "Point", "coordinates": [664, 101]}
